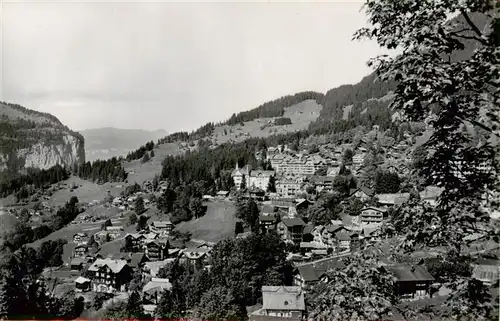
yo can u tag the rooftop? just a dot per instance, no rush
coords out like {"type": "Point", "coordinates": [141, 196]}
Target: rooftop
{"type": "Point", "coordinates": [114, 265]}
{"type": "Point", "coordinates": [283, 298]}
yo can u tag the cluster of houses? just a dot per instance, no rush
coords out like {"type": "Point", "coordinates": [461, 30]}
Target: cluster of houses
{"type": "Point", "coordinates": [148, 251]}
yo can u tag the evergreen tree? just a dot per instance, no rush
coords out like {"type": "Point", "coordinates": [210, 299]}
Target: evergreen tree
{"type": "Point", "coordinates": [243, 185]}
{"type": "Point", "coordinates": [145, 158]}
{"type": "Point", "coordinates": [271, 186]}
{"type": "Point", "coordinates": [139, 205]}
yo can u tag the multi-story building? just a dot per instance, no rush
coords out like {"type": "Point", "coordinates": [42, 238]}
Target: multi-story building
{"type": "Point", "coordinates": [155, 250]}
{"type": "Point", "coordinates": [289, 186]}
{"type": "Point", "coordinates": [257, 179]}
{"type": "Point", "coordinates": [371, 214]}
{"type": "Point", "coordinates": [110, 275]}
{"type": "Point", "coordinates": [291, 229]}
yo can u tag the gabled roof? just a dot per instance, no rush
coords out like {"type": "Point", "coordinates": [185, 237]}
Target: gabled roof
{"type": "Point", "coordinates": [161, 224]}
{"type": "Point", "coordinates": [283, 298]}
{"type": "Point", "coordinates": [289, 222]}
{"type": "Point", "coordinates": [309, 273]}
{"type": "Point", "coordinates": [157, 285]}
{"type": "Point", "coordinates": [404, 273]}
{"type": "Point", "coordinates": [82, 280]}
{"type": "Point", "coordinates": [308, 229]}
{"type": "Point", "coordinates": [137, 259]}
{"type": "Point", "coordinates": [378, 209]}
{"type": "Point", "coordinates": [116, 266]}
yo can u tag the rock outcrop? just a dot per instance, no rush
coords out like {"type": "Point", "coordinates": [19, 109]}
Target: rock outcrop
{"type": "Point", "coordinates": [31, 139]}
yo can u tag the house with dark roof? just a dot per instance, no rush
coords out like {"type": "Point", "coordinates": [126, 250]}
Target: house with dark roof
{"type": "Point", "coordinates": [364, 193]}
{"type": "Point", "coordinates": [109, 275]}
{"type": "Point", "coordinates": [413, 281]}
{"type": "Point", "coordinates": [306, 276]}
{"type": "Point", "coordinates": [283, 302]}
{"type": "Point", "coordinates": [291, 229]}
{"type": "Point", "coordinates": [268, 222]}
{"type": "Point", "coordinates": [137, 261]}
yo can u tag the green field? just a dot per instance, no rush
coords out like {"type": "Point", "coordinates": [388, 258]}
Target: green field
{"type": "Point", "coordinates": [215, 225]}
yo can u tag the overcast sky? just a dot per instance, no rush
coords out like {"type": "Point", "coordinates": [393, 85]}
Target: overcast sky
{"type": "Point", "coordinates": [174, 66]}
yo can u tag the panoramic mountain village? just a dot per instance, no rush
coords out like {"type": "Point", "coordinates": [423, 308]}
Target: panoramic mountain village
{"type": "Point", "coordinates": [376, 200]}
{"type": "Point", "coordinates": [122, 255]}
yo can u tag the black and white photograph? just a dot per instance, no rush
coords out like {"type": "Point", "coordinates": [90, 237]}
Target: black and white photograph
{"type": "Point", "coordinates": [254, 160]}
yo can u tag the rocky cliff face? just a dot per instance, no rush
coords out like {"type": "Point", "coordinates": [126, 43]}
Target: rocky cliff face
{"type": "Point", "coordinates": [30, 139]}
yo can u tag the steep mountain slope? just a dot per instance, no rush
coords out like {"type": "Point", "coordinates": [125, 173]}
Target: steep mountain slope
{"type": "Point", "coordinates": [31, 139]}
{"type": "Point", "coordinates": [104, 143]}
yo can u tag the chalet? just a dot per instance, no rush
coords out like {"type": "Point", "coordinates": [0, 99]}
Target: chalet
{"type": "Point", "coordinates": [151, 269]}
{"type": "Point", "coordinates": [162, 227]}
{"type": "Point", "coordinates": [283, 301]}
{"type": "Point", "coordinates": [311, 247]}
{"type": "Point", "coordinates": [76, 264]}
{"type": "Point", "coordinates": [110, 275]}
{"type": "Point", "coordinates": [80, 251]}
{"type": "Point", "coordinates": [114, 231]}
{"type": "Point", "coordinates": [346, 241]}
{"type": "Point", "coordinates": [307, 276]}
{"type": "Point", "coordinates": [302, 204]}
{"type": "Point", "coordinates": [322, 183]}
{"type": "Point", "coordinates": [136, 240]}
{"type": "Point", "coordinates": [80, 238]}
{"type": "Point", "coordinates": [195, 256]}
{"type": "Point", "coordinates": [413, 282]}
{"type": "Point", "coordinates": [268, 209]}
{"type": "Point", "coordinates": [486, 269]}
{"type": "Point", "coordinates": [291, 229]}
{"type": "Point", "coordinates": [155, 250]}
{"type": "Point", "coordinates": [82, 284]}
{"type": "Point", "coordinates": [154, 289]}
{"type": "Point", "coordinates": [364, 193]}
{"type": "Point", "coordinates": [370, 215]}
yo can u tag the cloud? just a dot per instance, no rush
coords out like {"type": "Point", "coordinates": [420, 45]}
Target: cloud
{"type": "Point", "coordinates": [173, 65]}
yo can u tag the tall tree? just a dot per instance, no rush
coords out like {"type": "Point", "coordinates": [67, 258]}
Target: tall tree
{"type": "Point", "coordinates": [139, 205]}
{"type": "Point", "coordinates": [460, 90]}
{"type": "Point", "coordinates": [271, 186]}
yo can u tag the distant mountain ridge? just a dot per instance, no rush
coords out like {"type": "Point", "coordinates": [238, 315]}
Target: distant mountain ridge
{"type": "Point", "coordinates": [107, 142]}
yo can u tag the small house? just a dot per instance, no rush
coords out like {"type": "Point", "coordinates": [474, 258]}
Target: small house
{"type": "Point", "coordinates": [162, 227]}
{"type": "Point", "coordinates": [413, 282]}
{"type": "Point", "coordinates": [82, 284]}
{"type": "Point", "coordinates": [80, 251]}
{"type": "Point", "coordinates": [486, 269]}
{"type": "Point", "coordinates": [291, 229]}
{"type": "Point", "coordinates": [306, 276]}
{"type": "Point", "coordinates": [154, 289]}
{"type": "Point", "coordinates": [283, 301]}
{"type": "Point", "coordinates": [76, 264]}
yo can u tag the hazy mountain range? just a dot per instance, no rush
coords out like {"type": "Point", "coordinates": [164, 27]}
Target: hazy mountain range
{"type": "Point", "coordinates": [104, 143]}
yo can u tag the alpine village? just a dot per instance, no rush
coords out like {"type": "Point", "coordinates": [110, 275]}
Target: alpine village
{"type": "Point", "coordinates": [373, 201]}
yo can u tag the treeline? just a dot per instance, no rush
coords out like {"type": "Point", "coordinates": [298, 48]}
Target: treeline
{"type": "Point", "coordinates": [25, 185]}
{"type": "Point", "coordinates": [203, 131]}
{"type": "Point", "coordinates": [214, 166]}
{"type": "Point", "coordinates": [23, 234]}
{"type": "Point", "coordinates": [330, 119]}
{"type": "Point", "coordinates": [141, 151]}
{"type": "Point", "coordinates": [102, 171]}
{"type": "Point", "coordinates": [24, 295]}
{"type": "Point", "coordinates": [282, 121]}
{"type": "Point", "coordinates": [275, 108]}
